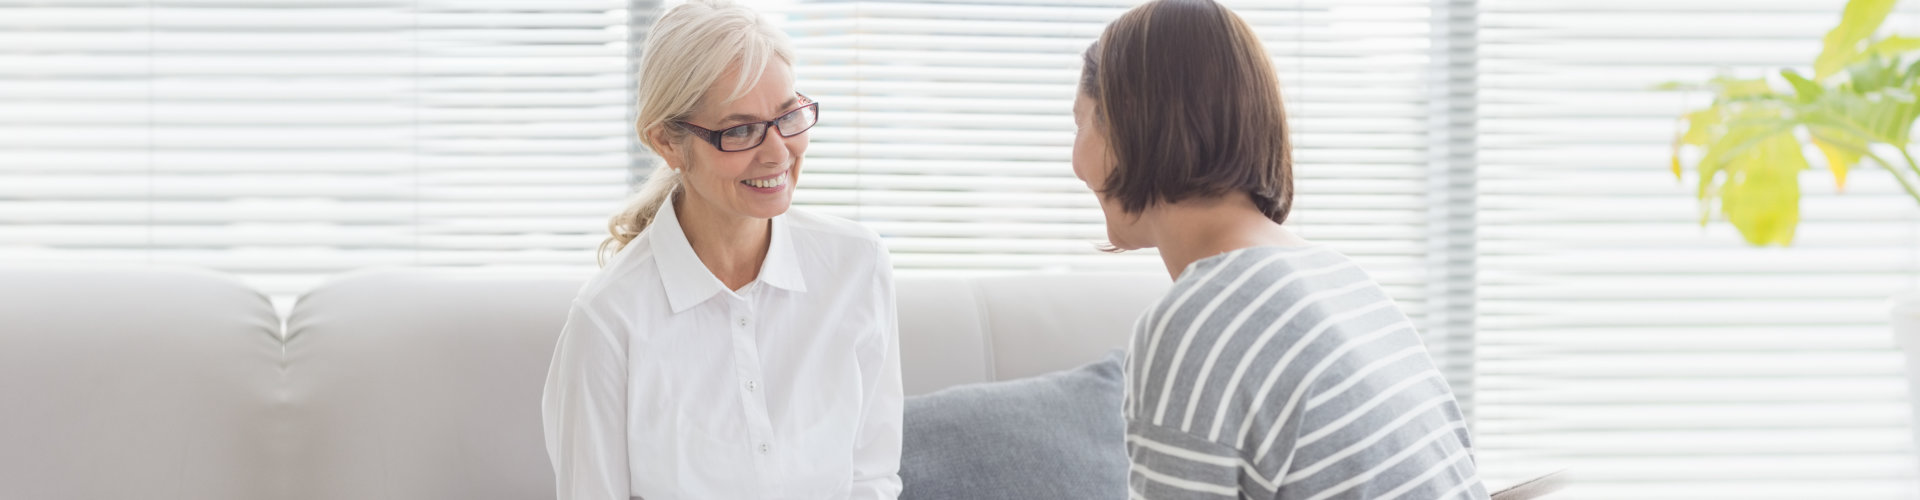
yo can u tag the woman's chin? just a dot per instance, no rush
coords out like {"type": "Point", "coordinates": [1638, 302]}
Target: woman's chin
{"type": "Point", "coordinates": [1120, 242]}
{"type": "Point", "coordinates": [767, 209]}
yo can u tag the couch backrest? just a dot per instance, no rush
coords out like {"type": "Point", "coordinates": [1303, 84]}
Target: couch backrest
{"type": "Point", "coordinates": [421, 384]}
{"type": "Point", "coordinates": [426, 384]}
{"type": "Point", "coordinates": [966, 330]}
{"type": "Point", "coordinates": [136, 383]}
{"type": "Point", "coordinates": [395, 383]}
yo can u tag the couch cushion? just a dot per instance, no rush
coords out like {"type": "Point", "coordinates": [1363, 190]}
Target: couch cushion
{"type": "Point", "coordinates": [422, 384]}
{"type": "Point", "coordinates": [1041, 323]}
{"type": "Point", "coordinates": [135, 382]}
{"type": "Point", "coordinates": [1055, 436]}
{"type": "Point", "coordinates": [942, 343]}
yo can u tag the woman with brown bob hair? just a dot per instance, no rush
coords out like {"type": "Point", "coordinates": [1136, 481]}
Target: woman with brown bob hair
{"type": "Point", "coordinates": [1274, 367]}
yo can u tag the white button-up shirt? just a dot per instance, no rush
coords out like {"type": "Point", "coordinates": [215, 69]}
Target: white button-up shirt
{"type": "Point", "coordinates": [666, 385]}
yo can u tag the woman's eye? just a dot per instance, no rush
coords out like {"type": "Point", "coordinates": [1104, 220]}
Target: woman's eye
{"type": "Point", "coordinates": [739, 132]}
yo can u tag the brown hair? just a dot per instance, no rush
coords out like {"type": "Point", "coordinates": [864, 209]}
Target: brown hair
{"type": "Point", "coordinates": [1191, 105]}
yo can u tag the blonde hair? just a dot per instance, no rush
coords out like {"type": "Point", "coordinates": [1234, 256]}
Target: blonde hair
{"type": "Point", "coordinates": [686, 52]}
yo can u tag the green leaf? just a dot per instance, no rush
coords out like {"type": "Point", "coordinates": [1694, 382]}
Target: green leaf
{"type": "Point", "coordinates": [1741, 137]}
{"type": "Point", "coordinates": [1841, 46]}
{"type": "Point", "coordinates": [1804, 90]}
{"type": "Point", "coordinates": [1892, 47]}
{"type": "Point", "coordinates": [1761, 194]}
{"type": "Point", "coordinates": [1700, 126]}
{"type": "Point", "coordinates": [1677, 85]}
{"type": "Point", "coordinates": [1871, 74]}
{"type": "Point", "coordinates": [1741, 89]}
{"type": "Point", "coordinates": [1885, 118]}
{"type": "Point", "coordinates": [1843, 151]}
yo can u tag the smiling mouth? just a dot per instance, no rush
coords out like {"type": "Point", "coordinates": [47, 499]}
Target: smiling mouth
{"type": "Point", "coordinates": [769, 182]}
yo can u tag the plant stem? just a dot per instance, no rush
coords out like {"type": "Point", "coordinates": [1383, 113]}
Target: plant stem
{"type": "Point", "coordinates": [1911, 165]}
{"type": "Point", "coordinates": [1899, 176]}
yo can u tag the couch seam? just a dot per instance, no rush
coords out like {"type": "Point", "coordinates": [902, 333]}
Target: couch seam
{"type": "Point", "coordinates": [986, 329]}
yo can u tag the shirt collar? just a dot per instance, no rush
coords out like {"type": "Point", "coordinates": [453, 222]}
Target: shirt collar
{"type": "Point", "coordinates": [687, 280]}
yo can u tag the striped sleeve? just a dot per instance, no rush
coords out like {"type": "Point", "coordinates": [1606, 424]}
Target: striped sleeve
{"type": "Point", "coordinates": [1286, 373]}
{"type": "Point", "coordinates": [1168, 464]}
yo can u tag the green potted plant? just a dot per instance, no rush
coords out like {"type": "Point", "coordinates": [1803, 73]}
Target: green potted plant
{"type": "Point", "coordinates": [1856, 110]}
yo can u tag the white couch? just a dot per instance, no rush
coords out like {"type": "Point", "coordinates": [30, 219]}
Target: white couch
{"type": "Point", "coordinates": [179, 384]}
{"type": "Point", "coordinates": [160, 383]}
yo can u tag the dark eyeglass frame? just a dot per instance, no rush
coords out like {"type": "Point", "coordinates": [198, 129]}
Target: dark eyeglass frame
{"type": "Point", "coordinates": [713, 137]}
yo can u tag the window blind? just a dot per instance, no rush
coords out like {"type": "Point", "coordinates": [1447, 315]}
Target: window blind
{"type": "Point", "coordinates": [1617, 336]}
{"type": "Point", "coordinates": [1499, 165]}
{"type": "Point", "coordinates": [287, 141]}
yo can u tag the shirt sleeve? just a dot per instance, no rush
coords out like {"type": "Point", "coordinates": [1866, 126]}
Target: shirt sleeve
{"type": "Point", "coordinates": [876, 453]}
{"type": "Point", "coordinates": [1168, 464]}
{"type": "Point", "coordinates": [584, 410]}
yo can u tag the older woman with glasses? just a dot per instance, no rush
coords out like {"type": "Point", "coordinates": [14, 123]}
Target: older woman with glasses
{"type": "Point", "coordinates": [732, 346]}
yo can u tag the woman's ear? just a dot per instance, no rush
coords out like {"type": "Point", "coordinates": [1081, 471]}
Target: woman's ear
{"type": "Point", "coordinates": [663, 145]}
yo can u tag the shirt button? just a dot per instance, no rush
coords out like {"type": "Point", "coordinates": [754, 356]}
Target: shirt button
{"type": "Point", "coordinates": [752, 386]}
{"type": "Point", "coordinates": [764, 448]}
{"type": "Point", "coordinates": [743, 322]}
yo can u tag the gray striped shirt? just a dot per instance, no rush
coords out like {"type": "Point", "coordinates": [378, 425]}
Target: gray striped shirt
{"type": "Point", "coordinates": [1287, 373]}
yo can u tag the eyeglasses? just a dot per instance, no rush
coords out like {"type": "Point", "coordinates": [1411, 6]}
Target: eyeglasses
{"type": "Point", "coordinates": [748, 136]}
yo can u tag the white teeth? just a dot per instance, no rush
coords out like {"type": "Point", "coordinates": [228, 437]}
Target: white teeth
{"type": "Point", "coordinates": [767, 183]}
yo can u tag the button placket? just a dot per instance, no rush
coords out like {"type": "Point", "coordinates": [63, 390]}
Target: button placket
{"type": "Point", "coordinates": [747, 354]}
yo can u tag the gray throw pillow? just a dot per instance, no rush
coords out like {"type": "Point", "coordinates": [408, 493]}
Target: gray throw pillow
{"type": "Point", "coordinates": [1055, 436]}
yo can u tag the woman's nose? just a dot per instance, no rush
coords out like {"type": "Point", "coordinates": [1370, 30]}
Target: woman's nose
{"type": "Point", "coordinates": [773, 149]}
